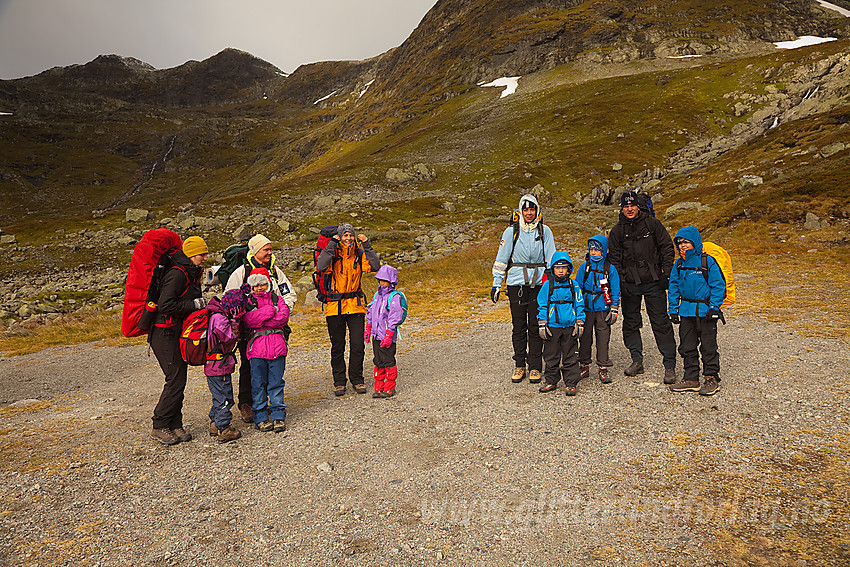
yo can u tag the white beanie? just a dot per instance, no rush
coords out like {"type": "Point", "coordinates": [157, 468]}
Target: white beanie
{"type": "Point", "coordinates": [256, 243]}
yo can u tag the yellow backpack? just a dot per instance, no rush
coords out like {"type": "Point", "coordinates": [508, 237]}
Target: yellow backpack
{"type": "Point", "coordinates": [724, 260]}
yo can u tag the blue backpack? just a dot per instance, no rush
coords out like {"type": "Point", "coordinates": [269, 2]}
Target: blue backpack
{"type": "Point", "coordinates": [392, 294]}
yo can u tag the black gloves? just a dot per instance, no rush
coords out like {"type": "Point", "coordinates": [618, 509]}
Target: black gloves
{"type": "Point", "coordinates": [713, 314]}
{"type": "Point", "coordinates": [674, 318]}
{"type": "Point", "coordinates": [494, 294]}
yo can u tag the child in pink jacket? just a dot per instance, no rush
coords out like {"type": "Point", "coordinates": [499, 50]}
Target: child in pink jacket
{"type": "Point", "coordinates": [267, 314]}
{"type": "Point", "coordinates": [222, 335]}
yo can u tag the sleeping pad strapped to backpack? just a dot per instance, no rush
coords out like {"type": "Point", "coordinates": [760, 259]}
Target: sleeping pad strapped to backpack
{"type": "Point", "coordinates": [151, 259]}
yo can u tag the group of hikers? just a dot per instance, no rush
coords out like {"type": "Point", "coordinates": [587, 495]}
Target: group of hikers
{"type": "Point", "coordinates": [549, 311]}
{"type": "Point", "coordinates": [637, 261]}
{"type": "Point", "coordinates": [252, 317]}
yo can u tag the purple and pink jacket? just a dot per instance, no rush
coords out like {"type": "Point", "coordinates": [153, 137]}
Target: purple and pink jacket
{"type": "Point", "coordinates": [220, 338]}
{"type": "Point", "coordinates": [378, 315]}
{"type": "Point", "coordinates": [265, 324]}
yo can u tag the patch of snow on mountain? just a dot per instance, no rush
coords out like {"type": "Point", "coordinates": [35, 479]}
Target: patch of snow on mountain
{"type": "Point", "coordinates": [326, 97]}
{"type": "Point", "coordinates": [838, 9]}
{"type": "Point", "coordinates": [365, 88]}
{"type": "Point", "coordinates": [682, 56]}
{"type": "Point", "coordinates": [802, 41]}
{"type": "Point", "coordinates": [510, 84]}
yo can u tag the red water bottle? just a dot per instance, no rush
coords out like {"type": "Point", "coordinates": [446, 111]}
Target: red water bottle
{"type": "Point", "coordinates": [606, 291]}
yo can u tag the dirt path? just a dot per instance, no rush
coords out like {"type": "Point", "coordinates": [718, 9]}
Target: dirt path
{"type": "Point", "coordinates": [460, 468]}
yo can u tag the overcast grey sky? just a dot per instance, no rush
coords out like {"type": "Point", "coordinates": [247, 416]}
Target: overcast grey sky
{"type": "Point", "coordinates": [39, 34]}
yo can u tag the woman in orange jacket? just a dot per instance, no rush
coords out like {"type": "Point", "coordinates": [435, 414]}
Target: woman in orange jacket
{"type": "Point", "coordinates": [347, 257]}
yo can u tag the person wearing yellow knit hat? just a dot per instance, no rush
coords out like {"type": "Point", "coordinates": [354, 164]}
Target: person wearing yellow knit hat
{"type": "Point", "coordinates": [195, 246]}
{"type": "Point", "coordinates": [179, 296]}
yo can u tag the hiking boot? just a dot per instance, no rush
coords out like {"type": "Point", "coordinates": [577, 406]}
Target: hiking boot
{"type": "Point", "coordinates": [388, 394]}
{"type": "Point", "coordinates": [669, 375]}
{"type": "Point", "coordinates": [165, 436]}
{"type": "Point", "coordinates": [604, 376]}
{"type": "Point", "coordinates": [518, 375]}
{"type": "Point", "coordinates": [339, 391]}
{"type": "Point", "coordinates": [377, 394]}
{"type": "Point", "coordinates": [686, 386]}
{"type": "Point", "coordinates": [182, 435]}
{"type": "Point", "coordinates": [265, 426]}
{"type": "Point", "coordinates": [279, 426]}
{"type": "Point", "coordinates": [247, 413]}
{"type": "Point", "coordinates": [360, 388]}
{"type": "Point", "coordinates": [228, 434]}
{"type": "Point", "coordinates": [534, 377]}
{"type": "Point", "coordinates": [710, 387]}
{"type": "Point", "coordinates": [213, 429]}
{"type": "Point", "coordinates": [635, 368]}
{"type": "Point", "coordinates": [585, 371]}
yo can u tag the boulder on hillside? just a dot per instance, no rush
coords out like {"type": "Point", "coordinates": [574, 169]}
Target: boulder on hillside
{"type": "Point", "coordinates": [541, 193]}
{"type": "Point", "coordinates": [600, 194]}
{"type": "Point", "coordinates": [418, 173]}
{"type": "Point", "coordinates": [684, 206]}
{"type": "Point", "coordinates": [8, 239]}
{"type": "Point", "coordinates": [749, 181]}
{"type": "Point", "coordinates": [832, 149]}
{"type": "Point", "coordinates": [136, 215]}
{"type": "Point", "coordinates": [813, 222]}
{"type": "Point", "coordinates": [244, 232]}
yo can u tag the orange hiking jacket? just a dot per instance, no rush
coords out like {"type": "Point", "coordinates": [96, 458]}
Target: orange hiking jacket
{"type": "Point", "coordinates": [348, 265]}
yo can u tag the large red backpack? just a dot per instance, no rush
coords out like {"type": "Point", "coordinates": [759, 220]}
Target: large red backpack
{"type": "Point", "coordinates": [193, 338]}
{"type": "Point", "coordinates": [151, 259]}
{"type": "Point", "coordinates": [323, 281]}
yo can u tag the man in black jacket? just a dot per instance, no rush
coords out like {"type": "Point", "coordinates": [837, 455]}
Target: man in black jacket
{"type": "Point", "coordinates": [179, 296]}
{"type": "Point", "coordinates": [642, 251]}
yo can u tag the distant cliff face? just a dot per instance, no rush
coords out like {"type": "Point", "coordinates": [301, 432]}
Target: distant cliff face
{"type": "Point", "coordinates": [231, 76]}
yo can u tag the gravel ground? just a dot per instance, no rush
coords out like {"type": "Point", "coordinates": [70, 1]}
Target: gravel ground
{"type": "Point", "coordinates": [462, 467]}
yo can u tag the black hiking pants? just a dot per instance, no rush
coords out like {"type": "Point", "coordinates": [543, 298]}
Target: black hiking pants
{"type": "Point", "coordinates": [165, 343]}
{"type": "Point", "coordinates": [528, 347]}
{"type": "Point", "coordinates": [699, 333]}
{"type": "Point", "coordinates": [356, 325]}
{"type": "Point", "coordinates": [655, 297]}
{"type": "Point", "coordinates": [561, 354]}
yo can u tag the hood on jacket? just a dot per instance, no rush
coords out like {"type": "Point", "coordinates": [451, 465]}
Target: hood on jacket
{"type": "Point", "coordinates": [561, 256]}
{"type": "Point", "coordinates": [690, 233]}
{"type": "Point", "coordinates": [603, 241]}
{"type": "Point", "coordinates": [531, 226]}
{"type": "Point", "coordinates": [214, 306]}
{"type": "Point", "coordinates": [388, 274]}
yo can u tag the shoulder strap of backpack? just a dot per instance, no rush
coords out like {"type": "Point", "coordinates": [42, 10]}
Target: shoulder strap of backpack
{"type": "Point", "coordinates": [515, 226]}
{"type": "Point", "coordinates": [188, 279]}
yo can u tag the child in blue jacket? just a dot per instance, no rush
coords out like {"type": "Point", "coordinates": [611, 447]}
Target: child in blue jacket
{"type": "Point", "coordinates": [560, 322]}
{"type": "Point", "coordinates": [600, 312]}
{"type": "Point", "coordinates": [695, 296]}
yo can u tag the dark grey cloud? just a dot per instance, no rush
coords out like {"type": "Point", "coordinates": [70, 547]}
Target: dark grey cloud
{"type": "Point", "coordinates": [39, 34]}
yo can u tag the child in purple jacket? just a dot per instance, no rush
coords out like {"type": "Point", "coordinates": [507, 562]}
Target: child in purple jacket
{"type": "Point", "coordinates": [267, 315]}
{"type": "Point", "coordinates": [222, 335]}
{"type": "Point", "coordinates": [383, 316]}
